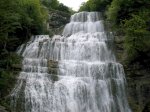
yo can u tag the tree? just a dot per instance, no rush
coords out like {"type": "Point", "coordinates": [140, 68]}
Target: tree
{"type": "Point", "coordinates": [95, 5]}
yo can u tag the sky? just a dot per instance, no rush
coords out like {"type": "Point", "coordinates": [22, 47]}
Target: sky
{"type": "Point", "coordinates": [74, 4]}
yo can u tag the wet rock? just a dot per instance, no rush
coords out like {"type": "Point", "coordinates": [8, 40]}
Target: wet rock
{"type": "Point", "coordinates": [52, 70]}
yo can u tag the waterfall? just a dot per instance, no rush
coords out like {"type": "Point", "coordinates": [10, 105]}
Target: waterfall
{"type": "Point", "coordinates": [89, 78]}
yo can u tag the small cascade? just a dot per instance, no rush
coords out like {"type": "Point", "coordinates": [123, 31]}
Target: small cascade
{"type": "Point", "coordinates": [89, 78]}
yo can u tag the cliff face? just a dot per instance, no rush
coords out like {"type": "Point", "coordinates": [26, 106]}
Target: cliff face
{"type": "Point", "coordinates": [57, 21]}
{"type": "Point", "coordinates": [138, 80]}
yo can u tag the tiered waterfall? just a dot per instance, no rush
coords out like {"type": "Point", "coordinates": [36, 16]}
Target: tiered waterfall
{"type": "Point", "coordinates": [89, 78]}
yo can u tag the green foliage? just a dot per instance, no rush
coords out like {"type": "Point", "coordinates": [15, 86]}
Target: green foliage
{"type": "Point", "coordinates": [33, 16]}
{"type": "Point", "coordinates": [55, 5]}
{"type": "Point", "coordinates": [95, 5]}
{"type": "Point", "coordinates": [63, 8]}
{"type": "Point", "coordinates": [119, 10]}
{"type": "Point", "coordinates": [137, 41]}
{"type": "Point", "coordinates": [113, 10]}
{"type": "Point", "coordinates": [132, 17]}
{"type": "Point", "coordinates": [50, 4]}
{"type": "Point", "coordinates": [20, 19]}
{"type": "Point", "coordinates": [85, 7]}
{"type": "Point", "coordinates": [8, 71]}
{"type": "Point", "coordinates": [9, 21]}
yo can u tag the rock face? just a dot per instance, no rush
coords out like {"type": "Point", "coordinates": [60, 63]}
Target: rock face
{"type": "Point", "coordinates": [57, 21]}
{"type": "Point", "coordinates": [138, 79]}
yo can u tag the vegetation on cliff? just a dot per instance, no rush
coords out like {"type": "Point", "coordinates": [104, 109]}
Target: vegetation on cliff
{"type": "Point", "coordinates": [19, 19]}
{"type": "Point", "coordinates": [95, 5]}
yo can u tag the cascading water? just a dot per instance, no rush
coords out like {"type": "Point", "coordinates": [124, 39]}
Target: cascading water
{"type": "Point", "coordinates": [89, 78]}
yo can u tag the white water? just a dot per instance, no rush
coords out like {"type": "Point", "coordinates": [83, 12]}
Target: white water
{"type": "Point", "coordinates": [89, 78]}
